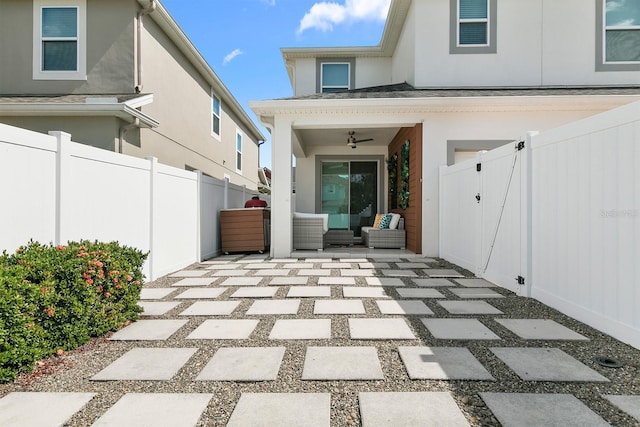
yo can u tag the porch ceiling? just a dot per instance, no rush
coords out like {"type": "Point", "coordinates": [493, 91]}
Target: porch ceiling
{"type": "Point", "coordinates": [337, 137]}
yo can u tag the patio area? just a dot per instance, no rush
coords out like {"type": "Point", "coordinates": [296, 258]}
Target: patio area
{"type": "Point", "coordinates": [346, 336]}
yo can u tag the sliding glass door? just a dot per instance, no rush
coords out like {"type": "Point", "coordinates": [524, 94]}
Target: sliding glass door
{"type": "Point", "coordinates": [350, 194]}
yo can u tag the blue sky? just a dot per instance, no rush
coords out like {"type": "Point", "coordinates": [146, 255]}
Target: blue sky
{"type": "Point", "coordinates": [241, 39]}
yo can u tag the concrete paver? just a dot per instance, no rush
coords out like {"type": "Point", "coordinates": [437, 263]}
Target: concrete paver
{"type": "Point", "coordinates": [469, 307]}
{"type": "Point", "coordinates": [540, 329]}
{"type": "Point", "coordinates": [411, 409]}
{"type": "Point", "coordinates": [442, 363]}
{"type": "Point", "coordinates": [27, 409]}
{"type": "Point", "coordinates": [242, 281]}
{"type": "Point", "coordinates": [146, 364]}
{"type": "Point", "coordinates": [419, 293]}
{"type": "Point", "coordinates": [309, 292]}
{"type": "Point", "coordinates": [443, 272]}
{"type": "Point", "coordinates": [189, 273]}
{"type": "Point", "coordinates": [195, 281]}
{"type": "Point", "coordinates": [362, 292]}
{"type": "Point", "coordinates": [155, 293]}
{"type": "Point", "coordinates": [357, 273]}
{"type": "Point", "coordinates": [459, 329]}
{"type": "Point", "coordinates": [342, 363]}
{"type": "Point", "coordinates": [301, 329]}
{"type": "Point", "coordinates": [380, 329]}
{"type": "Point", "coordinates": [226, 266]}
{"type": "Point", "coordinates": [384, 281]}
{"type": "Point", "coordinates": [399, 273]}
{"type": "Point", "coordinates": [255, 292]}
{"type": "Point", "coordinates": [157, 308]}
{"type": "Point", "coordinates": [211, 308]}
{"type": "Point", "coordinates": [271, 273]}
{"type": "Point", "coordinates": [336, 281]}
{"type": "Point", "coordinates": [628, 404]}
{"type": "Point", "coordinates": [475, 283]}
{"type": "Point", "coordinates": [224, 329]}
{"type": "Point", "coordinates": [403, 307]}
{"type": "Point", "coordinates": [432, 283]}
{"type": "Point", "coordinates": [533, 409]}
{"type": "Point", "coordinates": [276, 306]}
{"type": "Point", "coordinates": [279, 409]}
{"type": "Point", "coordinates": [291, 280]}
{"type": "Point", "coordinates": [231, 273]}
{"type": "Point", "coordinates": [201, 293]}
{"type": "Point", "coordinates": [475, 293]}
{"type": "Point", "coordinates": [148, 330]}
{"type": "Point", "coordinates": [333, 306]}
{"type": "Point", "coordinates": [243, 364]}
{"type": "Point", "coordinates": [155, 409]}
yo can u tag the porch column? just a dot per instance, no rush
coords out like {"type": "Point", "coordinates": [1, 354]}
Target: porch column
{"type": "Point", "coordinates": [281, 189]}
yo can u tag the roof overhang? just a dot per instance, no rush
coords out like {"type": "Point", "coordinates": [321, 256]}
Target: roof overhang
{"type": "Point", "coordinates": [166, 22]}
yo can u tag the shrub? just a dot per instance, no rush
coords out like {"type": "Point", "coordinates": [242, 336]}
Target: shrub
{"type": "Point", "coordinates": [58, 297]}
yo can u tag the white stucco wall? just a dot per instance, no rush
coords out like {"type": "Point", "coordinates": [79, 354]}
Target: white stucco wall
{"type": "Point", "coordinates": [373, 72]}
{"type": "Point", "coordinates": [305, 76]}
{"type": "Point", "coordinates": [403, 62]}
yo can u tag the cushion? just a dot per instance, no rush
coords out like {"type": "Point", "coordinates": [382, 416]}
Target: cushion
{"type": "Point", "coordinates": [325, 218]}
{"type": "Point", "coordinates": [395, 220]}
{"type": "Point", "coordinates": [385, 222]}
{"type": "Point", "coordinates": [376, 222]}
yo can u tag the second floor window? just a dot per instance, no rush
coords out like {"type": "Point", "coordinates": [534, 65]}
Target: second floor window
{"type": "Point", "coordinates": [215, 115]}
{"type": "Point", "coordinates": [238, 151]}
{"type": "Point", "coordinates": [473, 23]}
{"type": "Point", "coordinates": [335, 77]}
{"type": "Point", "coordinates": [622, 31]}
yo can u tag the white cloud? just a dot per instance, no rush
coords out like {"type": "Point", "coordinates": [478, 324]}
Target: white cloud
{"type": "Point", "coordinates": [269, 2]}
{"type": "Point", "coordinates": [324, 15]}
{"type": "Point", "coordinates": [231, 56]}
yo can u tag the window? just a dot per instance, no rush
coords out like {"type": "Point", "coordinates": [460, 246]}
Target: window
{"type": "Point", "coordinates": [335, 76]}
{"type": "Point", "coordinates": [473, 26]}
{"type": "Point", "coordinates": [618, 35]}
{"type": "Point", "coordinates": [59, 30]}
{"type": "Point", "coordinates": [238, 151]}
{"type": "Point", "coordinates": [215, 115]}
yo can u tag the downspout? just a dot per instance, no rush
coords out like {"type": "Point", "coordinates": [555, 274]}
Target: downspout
{"type": "Point", "coordinates": [125, 129]}
{"type": "Point", "coordinates": [152, 6]}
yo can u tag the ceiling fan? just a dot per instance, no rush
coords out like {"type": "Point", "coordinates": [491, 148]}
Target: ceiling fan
{"type": "Point", "coordinates": [352, 141]}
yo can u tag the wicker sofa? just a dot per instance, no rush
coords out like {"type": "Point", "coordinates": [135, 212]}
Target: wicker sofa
{"type": "Point", "coordinates": [385, 238]}
{"type": "Point", "coordinates": [309, 230]}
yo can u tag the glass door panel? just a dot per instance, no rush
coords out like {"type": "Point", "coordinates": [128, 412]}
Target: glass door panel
{"type": "Point", "coordinates": [363, 204]}
{"type": "Point", "coordinates": [335, 193]}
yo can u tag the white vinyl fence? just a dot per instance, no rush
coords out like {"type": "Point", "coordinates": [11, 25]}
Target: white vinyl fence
{"type": "Point", "coordinates": [562, 214]}
{"type": "Point", "coordinates": [54, 191]}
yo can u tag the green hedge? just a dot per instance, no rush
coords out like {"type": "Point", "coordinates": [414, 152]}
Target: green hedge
{"type": "Point", "coordinates": [55, 298]}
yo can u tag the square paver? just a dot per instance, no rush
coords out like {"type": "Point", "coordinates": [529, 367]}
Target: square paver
{"type": "Point", "coordinates": [419, 293]}
{"type": "Point", "coordinates": [393, 409]}
{"type": "Point", "coordinates": [282, 409]}
{"type": "Point", "coordinates": [224, 329]}
{"type": "Point", "coordinates": [291, 280]}
{"type": "Point", "coordinates": [338, 307]}
{"type": "Point", "coordinates": [231, 273]}
{"type": "Point", "coordinates": [282, 260]}
{"type": "Point", "coordinates": [342, 363]}
{"type": "Point", "coordinates": [211, 308]}
{"type": "Point", "coordinates": [271, 273]}
{"type": "Point", "coordinates": [157, 308]}
{"type": "Point", "coordinates": [257, 292]}
{"type": "Point", "coordinates": [376, 265]}
{"type": "Point", "coordinates": [540, 329]}
{"type": "Point", "coordinates": [148, 330]}
{"type": "Point", "coordinates": [195, 281]}
{"type": "Point", "coordinates": [628, 404]}
{"type": "Point", "coordinates": [546, 364]}
{"type": "Point", "coordinates": [243, 364]}
{"type": "Point", "coordinates": [335, 265]}
{"type": "Point", "coordinates": [524, 410]}
{"type": "Point", "coordinates": [403, 307]}
{"type": "Point", "coordinates": [155, 293]}
{"type": "Point", "coordinates": [469, 307]}
{"type": "Point", "coordinates": [28, 409]}
{"type": "Point", "coordinates": [242, 281]}
{"type": "Point", "coordinates": [384, 281]}
{"type": "Point", "coordinates": [189, 273]}
{"type": "Point", "coordinates": [399, 273]}
{"type": "Point", "coordinates": [443, 272]}
{"type": "Point", "coordinates": [475, 293]}
{"type": "Point", "coordinates": [296, 265]}
{"type": "Point", "coordinates": [433, 283]}
{"type": "Point", "coordinates": [156, 409]}
{"type": "Point", "coordinates": [411, 265]}
{"type": "Point", "coordinates": [459, 329]}
{"type": "Point", "coordinates": [353, 260]}
{"type": "Point", "coordinates": [276, 306]}
{"type": "Point", "coordinates": [301, 329]}
{"type": "Point", "coordinates": [442, 363]}
{"type": "Point", "coordinates": [357, 273]}
{"type": "Point", "coordinates": [475, 283]}
{"type": "Point", "coordinates": [226, 266]}
{"type": "Point", "coordinates": [380, 329]}
{"type": "Point", "coordinates": [362, 292]}
{"type": "Point", "coordinates": [201, 293]}
{"type": "Point", "coordinates": [146, 364]}
{"type": "Point", "coordinates": [260, 266]}
{"type": "Point", "coordinates": [309, 292]}
{"type": "Point", "coordinates": [337, 281]}
{"type": "Point", "coordinates": [314, 260]}
{"type": "Point", "coordinates": [314, 272]}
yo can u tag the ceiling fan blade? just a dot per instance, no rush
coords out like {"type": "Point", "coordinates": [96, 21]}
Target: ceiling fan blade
{"type": "Point", "coordinates": [363, 140]}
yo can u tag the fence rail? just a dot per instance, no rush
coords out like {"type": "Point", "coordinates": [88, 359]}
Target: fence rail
{"type": "Point", "coordinates": [55, 190]}
{"type": "Point", "coordinates": [563, 214]}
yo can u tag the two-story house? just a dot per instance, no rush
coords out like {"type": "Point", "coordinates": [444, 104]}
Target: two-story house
{"type": "Point", "coordinates": [449, 77]}
{"type": "Point", "coordinates": [121, 75]}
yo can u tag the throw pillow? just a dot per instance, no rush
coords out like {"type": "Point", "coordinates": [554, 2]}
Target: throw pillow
{"type": "Point", "coordinates": [376, 222]}
{"type": "Point", "coordinates": [395, 221]}
{"type": "Point", "coordinates": [385, 222]}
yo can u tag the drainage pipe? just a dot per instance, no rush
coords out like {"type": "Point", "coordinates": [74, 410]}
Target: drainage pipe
{"type": "Point", "coordinates": [142, 12]}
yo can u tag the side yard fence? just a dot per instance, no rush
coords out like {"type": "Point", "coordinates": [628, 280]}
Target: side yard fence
{"type": "Point", "coordinates": [55, 190]}
{"type": "Point", "coordinates": [555, 217]}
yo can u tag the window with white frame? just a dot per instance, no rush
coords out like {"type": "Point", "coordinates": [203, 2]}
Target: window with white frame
{"type": "Point", "coordinates": [473, 26]}
{"type": "Point", "coordinates": [335, 76]}
{"type": "Point", "coordinates": [215, 115]}
{"type": "Point", "coordinates": [238, 151]}
{"type": "Point", "coordinates": [59, 35]}
{"type": "Point", "coordinates": [621, 31]}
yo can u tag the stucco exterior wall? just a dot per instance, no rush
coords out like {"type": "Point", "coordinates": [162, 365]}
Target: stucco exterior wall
{"type": "Point", "coordinates": [403, 63]}
{"type": "Point", "coordinates": [305, 77]}
{"type": "Point", "coordinates": [373, 72]}
{"type": "Point", "coordinates": [110, 47]}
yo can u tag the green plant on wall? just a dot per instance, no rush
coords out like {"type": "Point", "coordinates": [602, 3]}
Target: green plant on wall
{"type": "Point", "coordinates": [404, 176]}
{"type": "Point", "coordinates": [392, 168]}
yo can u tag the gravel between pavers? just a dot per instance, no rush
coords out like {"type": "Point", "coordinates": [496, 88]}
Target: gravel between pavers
{"type": "Point", "coordinates": [72, 371]}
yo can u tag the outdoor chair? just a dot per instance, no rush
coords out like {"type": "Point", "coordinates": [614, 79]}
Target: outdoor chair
{"type": "Point", "coordinates": [309, 230]}
{"type": "Point", "coordinates": [385, 238]}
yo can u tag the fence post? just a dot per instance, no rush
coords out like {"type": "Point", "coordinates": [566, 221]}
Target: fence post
{"type": "Point", "coordinates": [63, 140]}
{"type": "Point", "coordinates": [199, 217]}
{"type": "Point", "coordinates": [153, 171]}
{"type": "Point", "coordinates": [479, 217]}
{"type": "Point", "coordinates": [526, 252]}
